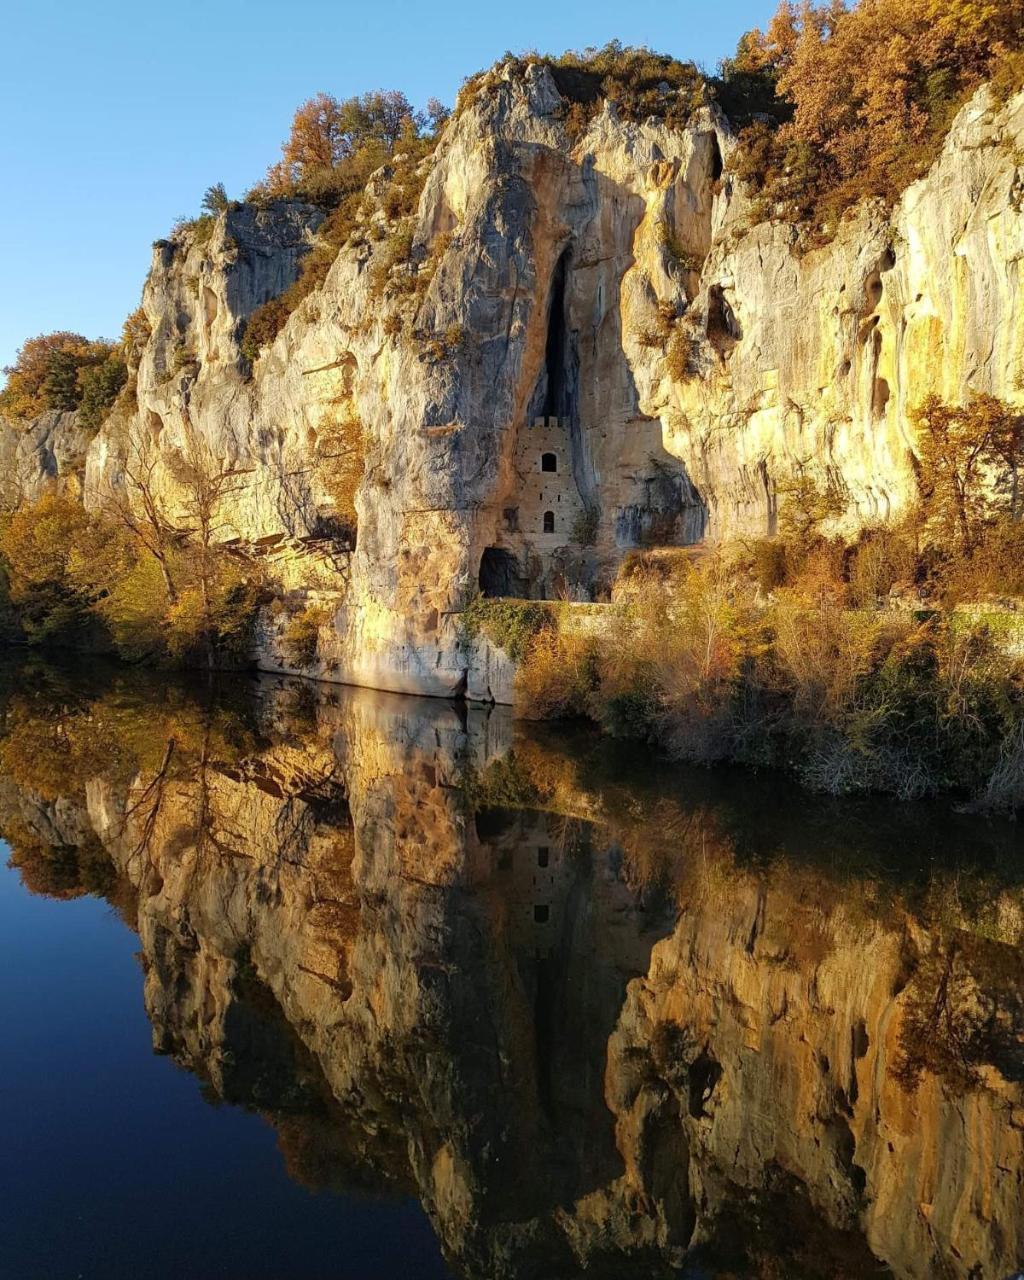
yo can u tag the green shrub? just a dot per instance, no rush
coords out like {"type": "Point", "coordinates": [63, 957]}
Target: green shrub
{"type": "Point", "coordinates": [263, 326]}
{"type": "Point", "coordinates": [215, 199]}
{"type": "Point", "coordinates": [585, 527]}
{"type": "Point", "coordinates": [510, 624]}
{"type": "Point", "coordinates": [100, 386]}
{"type": "Point", "coordinates": [184, 360]}
{"type": "Point", "coordinates": [194, 231]}
{"type": "Point", "coordinates": [394, 251]}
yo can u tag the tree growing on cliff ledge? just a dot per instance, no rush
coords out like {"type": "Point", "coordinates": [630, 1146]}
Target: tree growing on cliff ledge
{"type": "Point", "coordinates": [333, 148]}
{"type": "Point", "coordinates": [969, 459]}
{"type": "Point", "coordinates": [335, 144]}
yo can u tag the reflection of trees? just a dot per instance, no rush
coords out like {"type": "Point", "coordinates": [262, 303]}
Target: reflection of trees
{"type": "Point", "coordinates": [696, 829]}
{"type": "Point", "coordinates": [964, 1009]}
{"type": "Point", "coordinates": [150, 739]}
{"type": "Point", "coordinates": [384, 1018]}
{"type": "Point", "coordinates": [777, 1234]}
{"type": "Point", "coordinates": [60, 870]}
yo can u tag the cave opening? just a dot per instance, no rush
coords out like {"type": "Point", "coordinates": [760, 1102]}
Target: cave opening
{"type": "Point", "coordinates": [723, 327]}
{"type": "Point", "coordinates": [499, 573]}
{"type": "Point", "coordinates": [717, 164]}
{"type": "Point", "coordinates": [705, 1074]}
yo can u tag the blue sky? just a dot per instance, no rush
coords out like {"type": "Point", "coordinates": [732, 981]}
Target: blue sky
{"type": "Point", "coordinates": [115, 116]}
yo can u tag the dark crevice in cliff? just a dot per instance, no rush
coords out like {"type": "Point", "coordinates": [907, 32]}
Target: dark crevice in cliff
{"type": "Point", "coordinates": [561, 356]}
{"type": "Point", "coordinates": [717, 164]}
{"type": "Point", "coordinates": [705, 1073]}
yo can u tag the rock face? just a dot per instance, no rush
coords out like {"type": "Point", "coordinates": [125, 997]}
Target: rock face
{"type": "Point", "coordinates": [819, 359]}
{"type": "Point", "coordinates": [522, 426]}
{"type": "Point", "coordinates": [613, 1029]}
{"type": "Point", "coordinates": [50, 451]}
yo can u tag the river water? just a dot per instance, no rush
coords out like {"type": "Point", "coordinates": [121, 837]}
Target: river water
{"type": "Point", "coordinates": [303, 981]}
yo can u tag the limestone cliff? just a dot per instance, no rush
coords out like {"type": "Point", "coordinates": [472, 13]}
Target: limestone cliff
{"type": "Point", "coordinates": [50, 450]}
{"type": "Point", "coordinates": [523, 428]}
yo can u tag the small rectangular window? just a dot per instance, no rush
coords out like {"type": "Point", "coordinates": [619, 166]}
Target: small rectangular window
{"type": "Point", "coordinates": [542, 857]}
{"type": "Point", "coordinates": [540, 915]}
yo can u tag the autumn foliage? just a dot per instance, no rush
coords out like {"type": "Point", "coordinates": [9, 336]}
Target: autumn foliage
{"type": "Point", "coordinates": [970, 458]}
{"type": "Point", "coordinates": [63, 371]}
{"type": "Point", "coordinates": [859, 99]}
{"type": "Point", "coordinates": [332, 150]}
{"type": "Point", "coordinates": [885, 663]}
{"type": "Point", "coordinates": [335, 142]}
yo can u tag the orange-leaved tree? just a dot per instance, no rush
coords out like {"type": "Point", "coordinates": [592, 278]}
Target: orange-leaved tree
{"type": "Point", "coordinates": [869, 92]}
{"type": "Point", "coordinates": [969, 461]}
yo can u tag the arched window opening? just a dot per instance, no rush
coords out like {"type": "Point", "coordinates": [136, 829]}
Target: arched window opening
{"type": "Point", "coordinates": [549, 522]}
{"type": "Point", "coordinates": [548, 462]}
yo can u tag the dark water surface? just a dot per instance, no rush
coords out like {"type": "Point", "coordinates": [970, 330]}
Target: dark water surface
{"type": "Point", "coordinates": [326, 983]}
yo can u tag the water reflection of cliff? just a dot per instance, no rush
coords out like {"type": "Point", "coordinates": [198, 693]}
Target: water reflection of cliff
{"type": "Point", "coordinates": [592, 1019]}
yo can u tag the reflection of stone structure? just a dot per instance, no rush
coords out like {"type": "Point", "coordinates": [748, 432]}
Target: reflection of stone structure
{"type": "Point", "coordinates": [684, 1052]}
{"type": "Point", "coordinates": [538, 881]}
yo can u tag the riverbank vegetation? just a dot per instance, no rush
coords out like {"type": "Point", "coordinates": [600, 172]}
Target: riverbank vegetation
{"type": "Point", "coordinates": [890, 662]}
{"type": "Point", "coordinates": [138, 575]}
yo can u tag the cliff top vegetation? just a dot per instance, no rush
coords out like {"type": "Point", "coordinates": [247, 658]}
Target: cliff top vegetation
{"type": "Point", "coordinates": [839, 104]}
{"type": "Point", "coordinates": [834, 104]}
{"type": "Point", "coordinates": [334, 147]}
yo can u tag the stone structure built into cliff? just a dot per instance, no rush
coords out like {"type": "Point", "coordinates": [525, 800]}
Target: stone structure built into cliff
{"type": "Point", "coordinates": [523, 427]}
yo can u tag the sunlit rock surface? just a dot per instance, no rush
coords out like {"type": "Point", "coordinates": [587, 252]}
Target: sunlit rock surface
{"type": "Point", "coordinates": [49, 452]}
{"type": "Point", "coordinates": [523, 430]}
{"type": "Point", "coordinates": [594, 1019]}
